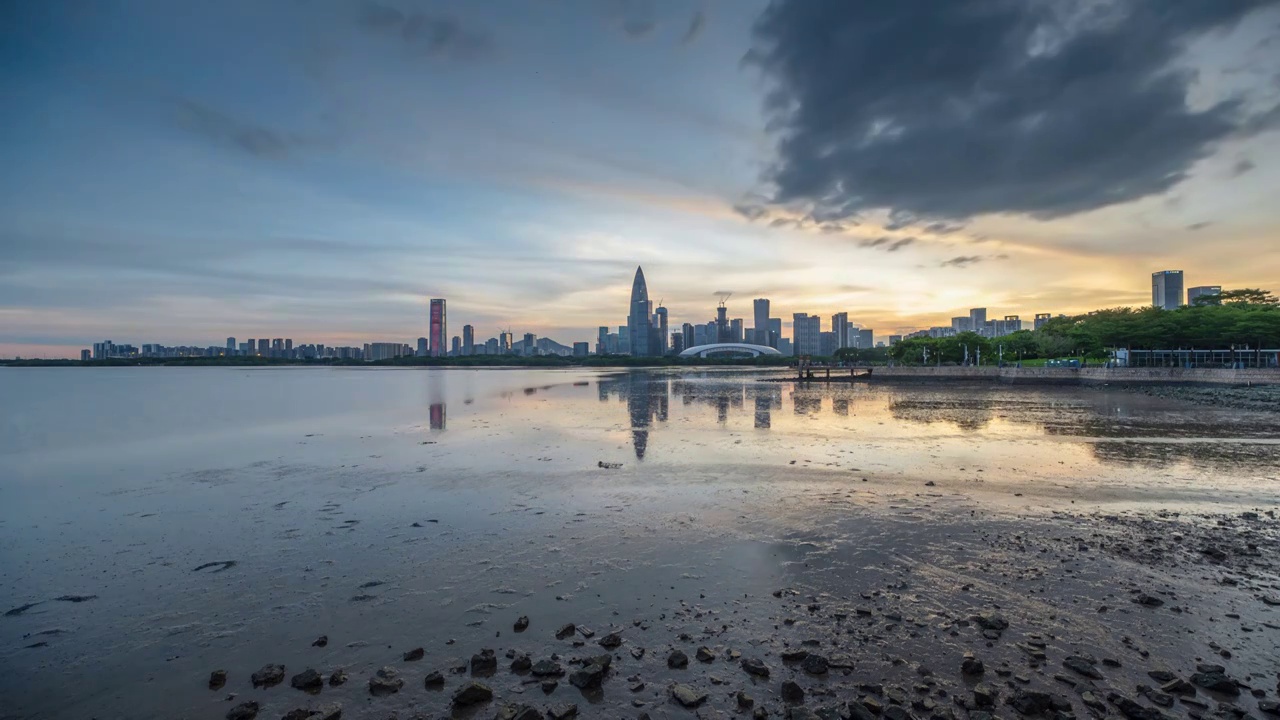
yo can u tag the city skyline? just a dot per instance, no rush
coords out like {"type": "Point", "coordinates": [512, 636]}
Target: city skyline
{"type": "Point", "coordinates": [317, 185]}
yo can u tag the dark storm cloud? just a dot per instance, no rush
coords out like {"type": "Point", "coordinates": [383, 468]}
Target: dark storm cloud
{"type": "Point", "coordinates": [435, 35]}
{"type": "Point", "coordinates": [695, 28]}
{"type": "Point", "coordinates": [222, 128]}
{"type": "Point", "coordinates": [955, 109]}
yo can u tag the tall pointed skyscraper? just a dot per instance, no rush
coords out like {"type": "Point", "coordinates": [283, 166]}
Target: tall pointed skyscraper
{"type": "Point", "coordinates": [639, 322]}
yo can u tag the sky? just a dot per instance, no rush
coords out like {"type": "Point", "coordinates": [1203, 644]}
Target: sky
{"type": "Point", "coordinates": [318, 169]}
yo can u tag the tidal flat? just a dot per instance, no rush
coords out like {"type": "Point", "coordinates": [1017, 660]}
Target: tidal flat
{"type": "Point", "coordinates": [720, 546]}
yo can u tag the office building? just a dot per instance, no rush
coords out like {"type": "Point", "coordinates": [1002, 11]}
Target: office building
{"type": "Point", "coordinates": [735, 330]}
{"type": "Point", "coordinates": [384, 351]}
{"type": "Point", "coordinates": [505, 338]}
{"type": "Point", "coordinates": [806, 334]}
{"type": "Point", "coordinates": [840, 328]}
{"type": "Point", "coordinates": [580, 349]}
{"type": "Point", "coordinates": [640, 334]}
{"type": "Point", "coordinates": [961, 324]}
{"type": "Point", "coordinates": [624, 340]}
{"type": "Point", "coordinates": [1166, 289]}
{"type": "Point", "coordinates": [660, 327]}
{"type": "Point", "coordinates": [677, 343]}
{"type": "Point", "coordinates": [437, 328]}
{"type": "Point", "coordinates": [722, 323]}
{"type": "Point", "coordinates": [1202, 291]}
{"type": "Point", "coordinates": [978, 320]}
{"type": "Point", "coordinates": [865, 339]}
{"type": "Point", "coordinates": [775, 334]}
{"type": "Point", "coordinates": [491, 346]}
{"type": "Point", "coordinates": [1041, 319]}
{"type": "Point", "coordinates": [760, 308]}
{"type": "Point", "coordinates": [827, 344]}
{"type": "Point", "coordinates": [686, 335]}
{"type": "Point", "coordinates": [468, 340]}
{"type": "Point", "coordinates": [86, 355]}
{"type": "Point", "coordinates": [264, 347]}
{"type": "Point", "coordinates": [613, 344]}
{"type": "Point", "coordinates": [455, 349]}
{"type": "Point", "coordinates": [530, 344]}
{"type": "Point", "coordinates": [231, 346]}
{"type": "Point", "coordinates": [423, 348]}
{"type": "Point", "coordinates": [894, 340]}
{"type": "Point", "coordinates": [602, 340]}
{"type": "Point", "coordinates": [784, 346]}
{"type": "Point", "coordinates": [699, 335]}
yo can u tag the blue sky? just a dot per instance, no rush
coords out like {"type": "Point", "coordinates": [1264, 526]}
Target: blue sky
{"type": "Point", "coordinates": [182, 172]}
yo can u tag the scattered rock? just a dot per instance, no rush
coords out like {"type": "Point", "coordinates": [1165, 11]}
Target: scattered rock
{"type": "Point", "coordinates": [562, 711]}
{"type": "Point", "coordinates": [794, 655]}
{"type": "Point", "coordinates": [1031, 702]}
{"type": "Point", "coordinates": [472, 693]}
{"type": "Point", "coordinates": [267, 676]}
{"type": "Point", "coordinates": [547, 668]}
{"type": "Point", "coordinates": [972, 666]}
{"type": "Point", "coordinates": [755, 666]}
{"type": "Point", "coordinates": [705, 655]}
{"type": "Point", "coordinates": [687, 696]}
{"type": "Point", "coordinates": [791, 692]}
{"type": "Point", "coordinates": [677, 659]}
{"type": "Point", "coordinates": [217, 679]}
{"type": "Point", "coordinates": [587, 677]}
{"type": "Point", "coordinates": [745, 701]}
{"type": "Point", "coordinates": [434, 679]}
{"type": "Point", "coordinates": [522, 663]}
{"type": "Point", "coordinates": [1147, 600]}
{"type": "Point", "coordinates": [308, 680]}
{"type": "Point", "coordinates": [549, 686]}
{"type": "Point", "coordinates": [612, 640]}
{"type": "Point", "coordinates": [518, 712]}
{"type": "Point", "coordinates": [243, 711]}
{"type": "Point", "coordinates": [338, 677]}
{"type": "Point", "coordinates": [984, 696]}
{"type": "Point", "coordinates": [415, 655]}
{"type": "Point", "coordinates": [321, 641]}
{"type": "Point", "coordinates": [1132, 710]}
{"type": "Point", "coordinates": [484, 664]}
{"type": "Point", "coordinates": [522, 623]}
{"type": "Point", "coordinates": [1082, 665]}
{"type": "Point", "coordinates": [566, 631]}
{"type": "Point", "coordinates": [1215, 680]}
{"type": "Point", "coordinates": [814, 664]}
{"type": "Point", "coordinates": [385, 682]}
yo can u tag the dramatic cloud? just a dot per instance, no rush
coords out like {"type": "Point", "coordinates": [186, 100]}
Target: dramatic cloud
{"type": "Point", "coordinates": [951, 110]}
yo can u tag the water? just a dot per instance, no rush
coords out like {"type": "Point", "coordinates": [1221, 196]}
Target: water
{"type": "Point", "coordinates": [395, 508]}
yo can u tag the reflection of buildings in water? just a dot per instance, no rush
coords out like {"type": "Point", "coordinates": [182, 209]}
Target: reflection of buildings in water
{"type": "Point", "coordinates": [840, 405]}
{"type": "Point", "coordinates": [970, 412]}
{"type": "Point", "coordinates": [764, 419]}
{"type": "Point", "coordinates": [647, 400]}
{"type": "Point", "coordinates": [806, 403]}
{"type": "Point", "coordinates": [437, 416]}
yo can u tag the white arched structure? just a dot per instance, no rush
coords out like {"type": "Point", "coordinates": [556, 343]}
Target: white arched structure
{"type": "Point", "coordinates": [729, 348]}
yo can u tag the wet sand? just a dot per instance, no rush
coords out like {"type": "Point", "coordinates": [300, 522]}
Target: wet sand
{"type": "Point", "coordinates": [887, 533]}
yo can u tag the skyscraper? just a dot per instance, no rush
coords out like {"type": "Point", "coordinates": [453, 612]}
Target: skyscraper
{"type": "Point", "coordinates": [530, 344]}
{"type": "Point", "coordinates": [639, 325]}
{"type": "Point", "coordinates": [264, 347]}
{"type": "Point", "coordinates": [438, 330]}
{"type": "Point", "coordinates": [1202, 291]}
{"type": "Point", "coordinates": [722, 323]}
{"type": "Point", "coordinates": [456, 349]}
{"type": "Point", "coordinates": [468, 340]}
{"type": "Point", "coordinates": [231, 346]}
{"type": "Point", "coordinates": [840, 328]}
{"type": "Point", "coordinates": [735, 330]}
{"type": "Point", "coordinates": [978, 320]}
{"type": "Point", "coordinates": [806, 330]}
{"type": "Point", "coordinates": [1166, 289]}
{"type": "Point", "coordinates": [866, 339]}
{"type": "Point", "coordinates": [760, 308]}
{"type": "Point", "coordinates": [602, 340]}
{"type": "Point", "coordinates": [775, 334]}
{"type": "Point", "coordinates": [422, 347]}
{"type": "Point", "coordinates": [686, 333]}
{"type": "Point", "coordinates": [663, 337]}
{"type": "Point", "coordinates": [504, 341]}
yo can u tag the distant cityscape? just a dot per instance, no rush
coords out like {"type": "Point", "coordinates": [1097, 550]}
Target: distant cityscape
{"type": "Point", "coordinates": [647, 332]}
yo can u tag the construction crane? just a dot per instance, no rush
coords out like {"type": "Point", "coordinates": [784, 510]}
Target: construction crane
{"type": "Point", "coordinates": [724, 296]}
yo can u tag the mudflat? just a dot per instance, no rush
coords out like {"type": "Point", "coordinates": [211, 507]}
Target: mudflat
{"type": "Point", "coordinates": [221, 542]}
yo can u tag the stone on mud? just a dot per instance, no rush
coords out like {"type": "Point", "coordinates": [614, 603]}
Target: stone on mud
{"type": "Point", "coordinates": [472, 693]}
{"type": "Point", "coordinates": [687, 696]}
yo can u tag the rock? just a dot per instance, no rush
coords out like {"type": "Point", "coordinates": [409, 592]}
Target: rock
{"type": "Point", "coordinates": [1031, 702]}
{"type": "Point", "coordinates": [268, 675]}
{"type": "Point", "coordinates": [297, 714]}
{"type": "Point", "coordinates": [896, 712]}
{"type": "Point", "coordinates": [566, 631]}
{"type": "Point", "coordinates": [758, 714]}
{"type": "Point", "coordinates": [1216, 681]}
{"type": "Point", "coordinates": [472, 693]}
{"type": "Point", "coordinates": [547, 668]}
{"type": "Point", "coordinates": [637, 687]}
{"type": "Point", "coordinates": [677, 659]}
{"type": "Point", "coordinates": [1210, 668]}
{"type": "Point", "coordinates": [814, 664]}
{"type": "Point", "coordinates": [562, 711]}
{"type": "Point", "coordinates": [522, 623]}
{"type": "Point", "coordinates": [337, 677]}
{"type": "Point", "coordinates": [217, 679]}
{"type": "Point", "coordinates": [521, 663]}
{"type": "Point", "coordinates": [794, 655]}
{"type": "Point", "coordinates": [991, 621]}
{"type": "Point", "coordinates": [840, 662]}
{"type": "Point", "coordinates": [791, 692]}
{"type": "Point", "coordinates": [1147, 600]}
{"type": "Point", "coordinates": [1132, 710]}
{"type": "Point", "coordinates": [755, 666]}
{"type": "Point", "coordinates": [549, 686]}
{"type": "Point", "coordinates": [1082, 665]}
{"type": "Point", "coordinates": [385, 682]}
{"type": "Point", "coordinates": [1270, 707]}
{"type": "Point", "coordinates": [972, 666]}
{"type": "Point", "coordinates": [705, 655]}
{"type": "Point", "coordinates": [517, 712]}
{"type": "Point", "coordinates": [859, 711]}
{"type": "Point", "coordinates": [745, 701]}
{"type": "Point", "coordinates": [589, 676]}
{"type": "Point", "coordinates": [434, 679]}
{"type": "Point", "coordinates": [321, 641]}
{"type": "Point", "coordinates": [1159, 698]}
{"type": "Point", "coordinates": [243, 711]}
{"type": "Point", "coordinates": [328, 711]}
{"type": "Point", "coordinates": [610, 641]}
{"type": "Point", "coordinates": [687, 696]}
{"type": "Point", "coordinates": [1163, 676]}
{"type": "Point", "coordinates": [984, 695]}
{"type": "Point", "coordinates": [308, 680]}
{"type": "Point", "coordinates": [1178, 686]}
{"type": "Point", "coordinates": [484, 664]}
{"type": "Point", "coordinates": [801, 713]}
{"type": "Point", "coordinates": [1271, 599]}
{"type": "Point", "coordinates": [415, 655]}
{"type": "Point", "coordinates": [586, 632]}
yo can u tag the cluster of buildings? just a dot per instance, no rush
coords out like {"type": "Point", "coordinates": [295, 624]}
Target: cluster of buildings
{"type": "Point", "coordinates": [648, 332]}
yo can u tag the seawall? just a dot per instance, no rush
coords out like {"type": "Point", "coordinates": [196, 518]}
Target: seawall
{"type": "Point", "coordinates": [1063, 376]}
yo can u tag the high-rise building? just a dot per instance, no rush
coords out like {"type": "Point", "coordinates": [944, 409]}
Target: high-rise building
{"type": "Point", "coordinates": [639, 324]}
{"type": "Point", "coordinates": [735, 330]}
{"type": "Point", "coordinates": [661, 327]}
{"type": "Point", "coordinates": [866, 339]}
{"type": "Point", "coordinates": [840, 329]}
{"type": "Point", "coordinates": [423, 348]}
{"type": "Point", "coordinates": [1202, 291]}
{"type": "Point", "coordinates": [505, 339]}
{"type": "Point", "coordinates": [264, 347]}
{"type": "Point", "coordinates": [827, 344]}
{"type": "Point", "coordinates": [1041, 319]}
{"type": "Point", "coordinates": [438, 328]}
{"type": "Point", "coordinates": [455, 349]}
{"type": "Point", "coordinates": [775, 334]}
{"type": "Point", "coordinates": [231, 346]}
{"type": "Point", "coordinates": [699, 335]}
{"type": "Point", "coordinates": [806, 333]}
{"type": "Point", "coordinates": [677, 342]}
{"type": "Point", "coordinates": [760, 311]}
{"type": "Point", "coordinates": [1166, 289]}
{"type": "Point", "coordinates": [85, 356]}
{"type": "Point", "coordinates": [253, 348]}
{"type": "Point", "coordinates": [894, 340]}
{"type": "Point", "coordinates": [530, 344]}
{"type": "Point", "coordinates": [491, 346]}
{"type": "Point", "coordinates": [580, 349]}
{"type": "Point", "coordinates": [602, 340]}
{"type": "Point", "coordinates": [722, 324]}
{"type": "Point", "coordinates": [468, 340]}
{"type": "Point", "coordinates": [960, 324]}
{"type": "Point", "coordinates": [978, 320]}
{"type": "Point", "coordinates": [686, 333]}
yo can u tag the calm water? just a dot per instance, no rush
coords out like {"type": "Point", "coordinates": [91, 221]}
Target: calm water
{"type": "Point", "coordinates": [391, 508]}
